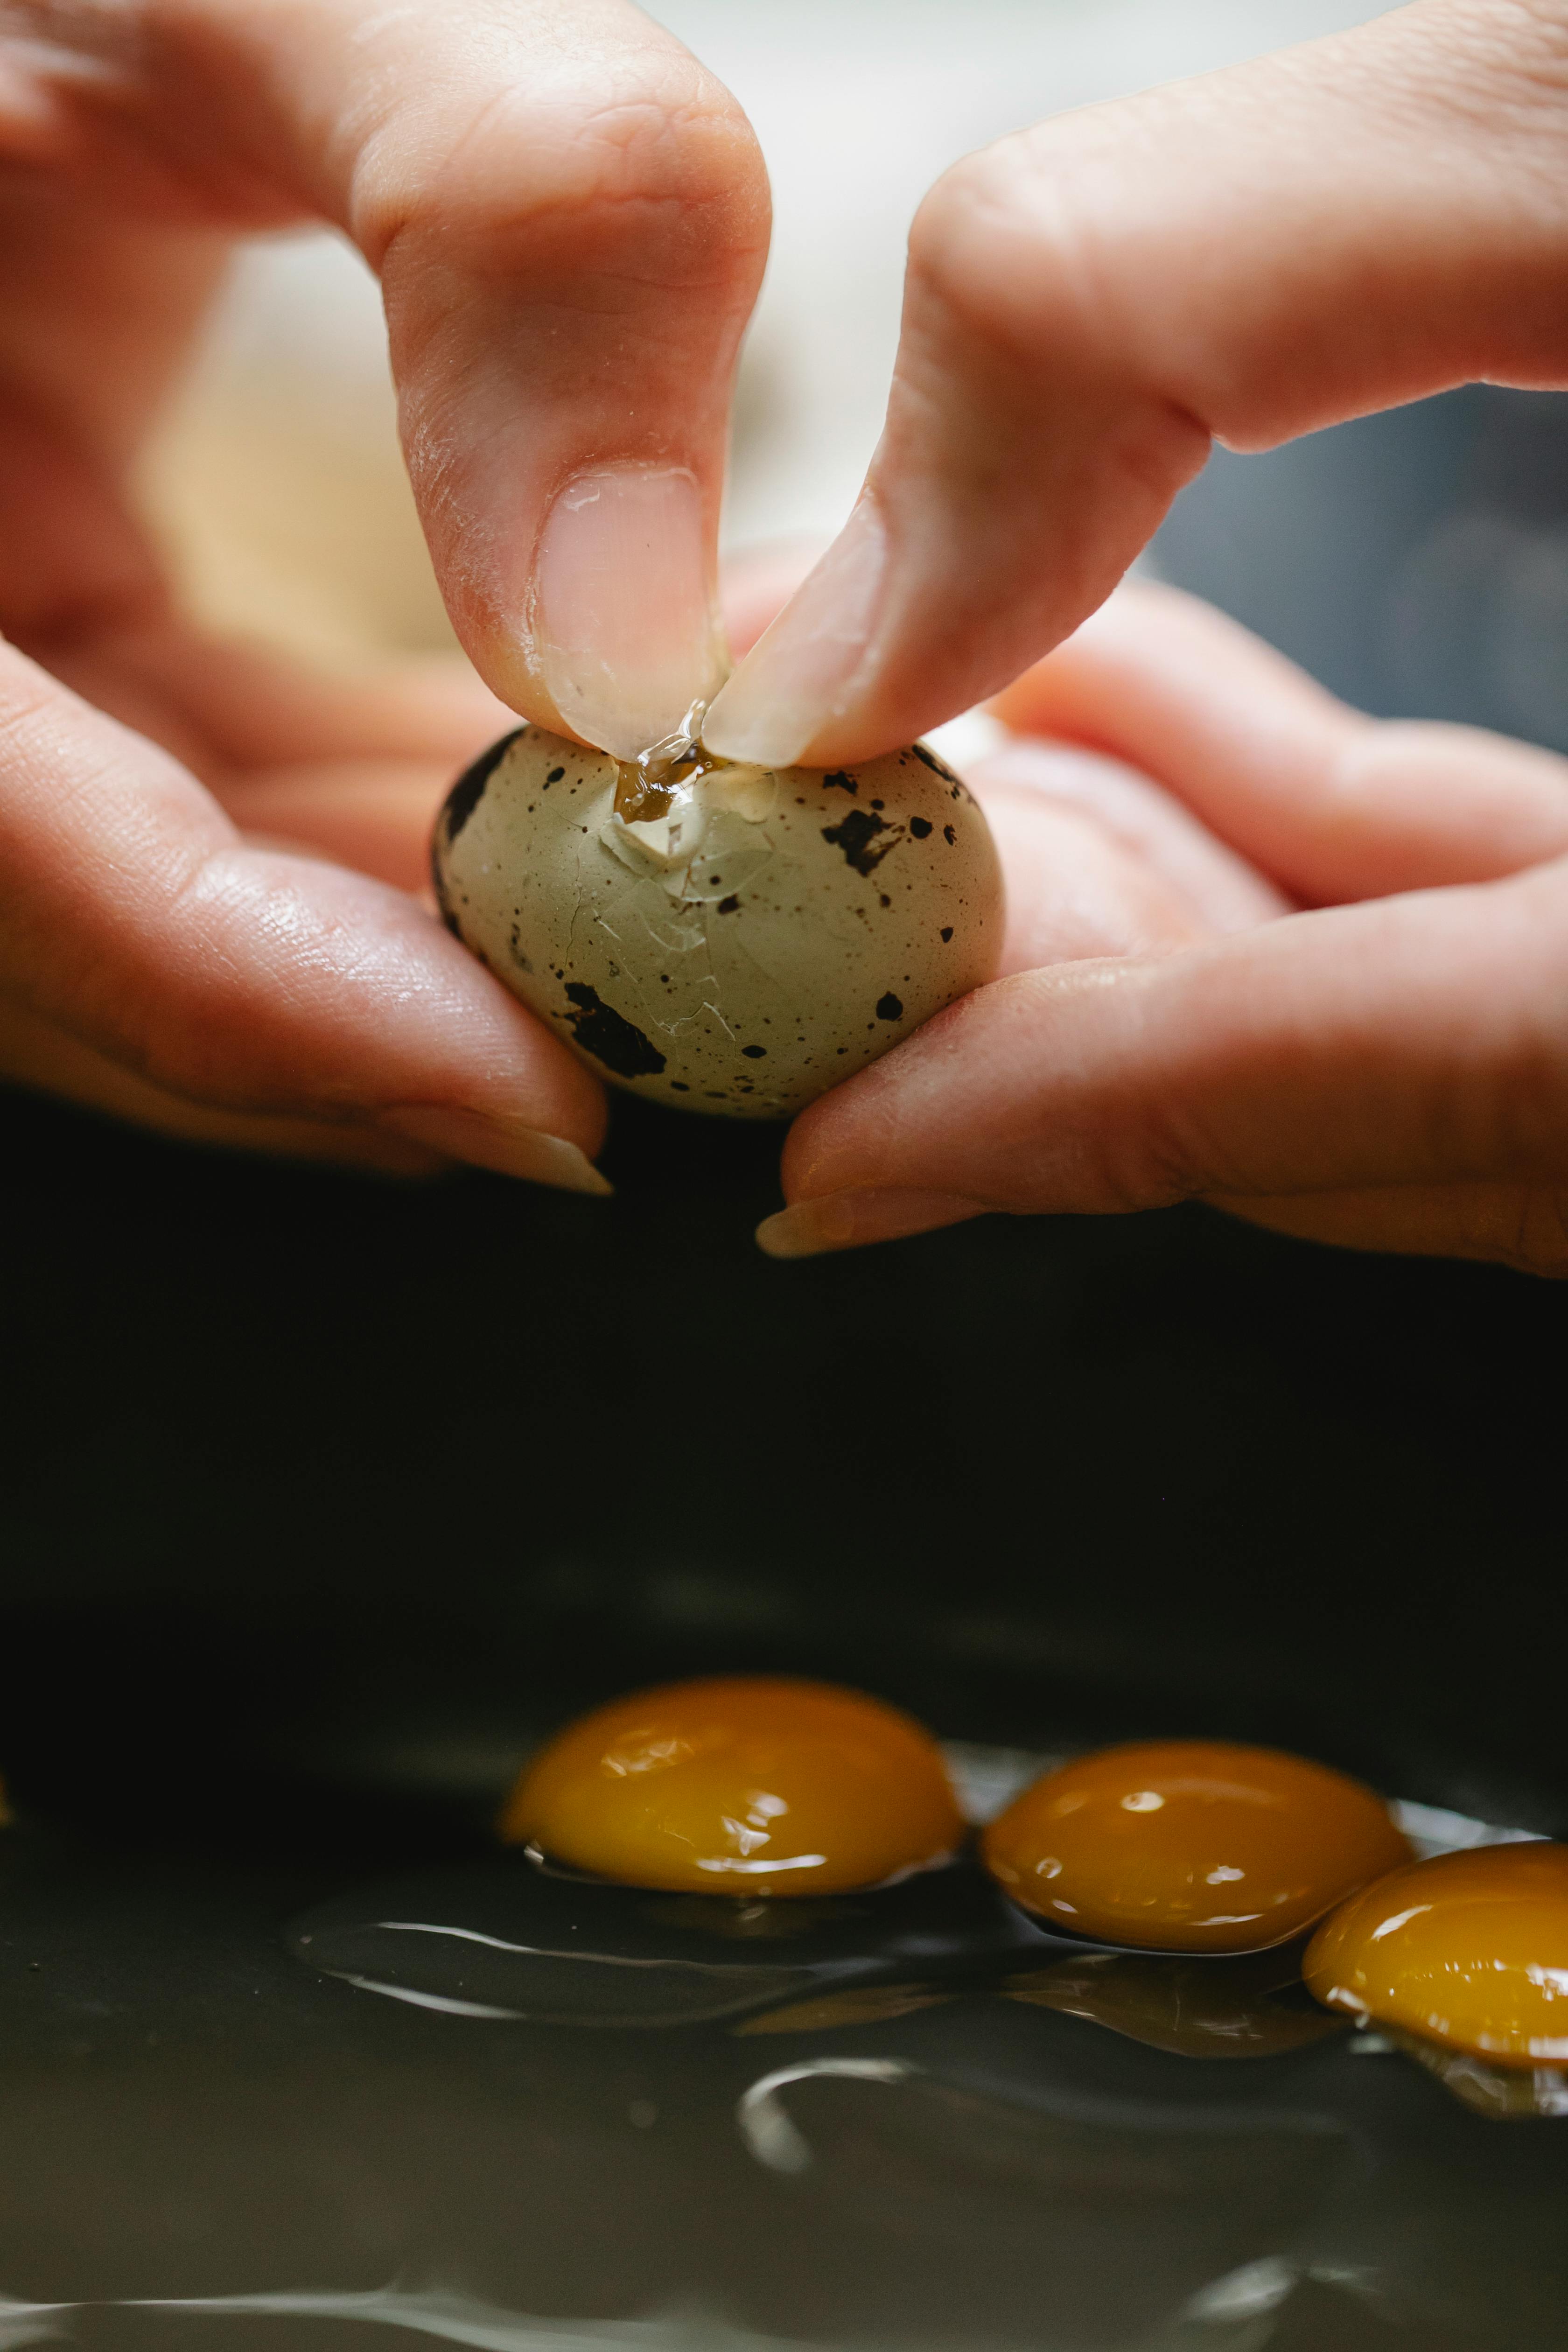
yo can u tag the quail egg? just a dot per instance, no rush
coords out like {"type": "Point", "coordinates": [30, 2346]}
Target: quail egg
{"type": "Point", "coordinates": [727, 938]}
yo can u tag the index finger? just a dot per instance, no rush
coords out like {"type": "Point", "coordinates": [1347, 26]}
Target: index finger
{"type": "Point", "coordinates": [1244, 257]}
{"type": "Point", "coordinates": [569, 217]}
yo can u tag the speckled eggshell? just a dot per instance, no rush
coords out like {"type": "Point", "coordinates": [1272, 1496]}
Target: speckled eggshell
{"type": "Point", "coordinates": [772, 935]}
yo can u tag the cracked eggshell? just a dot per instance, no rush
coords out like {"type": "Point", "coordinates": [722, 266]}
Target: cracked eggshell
{"type": "Point", "coordinates": [769, 937]}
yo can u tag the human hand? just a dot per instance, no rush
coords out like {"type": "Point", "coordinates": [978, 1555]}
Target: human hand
{"type": "Point", "coordinates": [1321, 973]}
{"type": "Point", "coordinates": [568, 216]}
{"type": "Point", "coordinates": [1243, 257]}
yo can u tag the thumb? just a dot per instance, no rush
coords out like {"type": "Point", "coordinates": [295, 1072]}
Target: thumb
{"type": "Point", "coordinates": [138, 922]}
{"type": "Point", "coordinates": [1411, 1041]}
{"type": "Point", "coordinates": [569, 217]}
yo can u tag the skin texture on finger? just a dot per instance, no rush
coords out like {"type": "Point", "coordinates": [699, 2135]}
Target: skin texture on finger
{"type": "Point", "coordinates": [246, 981]}
{"type": "Point", "coordinates": [1207, 884]}
{"type": "Point", "coordinates": [1418, 1040]}
{"type": "Point", "coordinates": [569, 217]}
{"type": "Point", "coordinates": [1244, 257]}
{"type": "Point", "coordinates": [564, 334]}
{"type": "Point", "coordinates": [1332, 805]}
{"type": "Point", "coordinates": [47, 1059]}
{"type": "Point", "coordinates": [1073, 890]}
{"type": "Point", "coordinates": [247, 705]}
{"type": "Point", "coordinates": [96, 306]}
{"type": "Point", "coordinates": [1524, 1226]}
{"type": "Point", "coordinates": [376, 817]}
{"type": "Point", "coordinates": [72, 558]}
{"type": "Point", "coordinates": [98, 303]}
{"type": "Point", "coordinates": [355, 766]}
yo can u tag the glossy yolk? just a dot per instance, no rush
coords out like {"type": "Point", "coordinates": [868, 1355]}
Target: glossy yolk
{"type": "Point", "coordinates": [1190, 1845]}
{"type": "Point", "coordinates": [1470, 1949]}
{"type": "Point", "coordinates": [749, 1785]}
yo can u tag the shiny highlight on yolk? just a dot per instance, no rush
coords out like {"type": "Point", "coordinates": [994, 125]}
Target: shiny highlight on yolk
{"type": "Point", "coordinates": [743, 1785]}
{"type": "Point", "coordinates": [1469, 1949]}
{"type": "Point", "coordinates": [1190, 1845]}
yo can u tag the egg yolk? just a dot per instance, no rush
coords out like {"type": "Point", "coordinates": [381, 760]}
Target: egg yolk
{"type": "Point", "coordinates": [1468, 1948]}
{"type": "Point", "coordinates": [1190, 1845]}
{"type": "Point", "coordinates": [749, 1785]}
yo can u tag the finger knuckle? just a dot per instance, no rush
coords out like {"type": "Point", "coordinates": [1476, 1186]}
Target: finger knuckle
{"type": "Point", "coordinates": [993, 249]}
{"type": "Point", "coordinates": [1013, 241]}
{"type": "Point", "coordinates": [1015, 283]}
{"type": "Point", "coordinates": [1134, 1156]}
{"type": "Point", "coordinates": [650, 170]}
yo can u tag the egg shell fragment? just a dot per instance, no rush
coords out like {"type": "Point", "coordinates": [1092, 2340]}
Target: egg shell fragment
{"type": "Point", "coordinates": [774, 933]}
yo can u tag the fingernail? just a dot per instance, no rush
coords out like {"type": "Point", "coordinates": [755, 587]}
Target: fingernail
{"type": "Point", "coordinates": [799, 674]}
{"type": "Point", "coordinates": [492, 1140]}
{"type": "Point", "coordinates": [626, 632]}
{"type": "Point", "coordinates": [841, 1220]}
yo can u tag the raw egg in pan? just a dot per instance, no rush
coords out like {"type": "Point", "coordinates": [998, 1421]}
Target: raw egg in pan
{"type": "Point", "coordinates": [749, 1785]}
{"type": "Point", "coordinates": [1468, 1949]}
{"type": "Point", "coordinates": [1190, 1845]}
